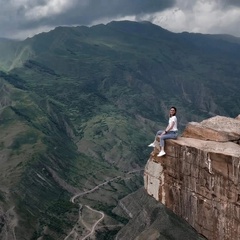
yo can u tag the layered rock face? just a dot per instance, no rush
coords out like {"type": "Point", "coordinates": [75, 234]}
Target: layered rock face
{"type": "Point", "coordinates": [199, 177]}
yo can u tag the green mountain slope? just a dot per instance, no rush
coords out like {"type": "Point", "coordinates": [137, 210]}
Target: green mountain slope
{"type": "Point", "coordinates": [41, 169]}
{"type": "Point", "coordinates": [79, 106]}
{"type": "Point", "coordinates": [192, 71]}
{"type": "Point", "coordinates": [13, 54]}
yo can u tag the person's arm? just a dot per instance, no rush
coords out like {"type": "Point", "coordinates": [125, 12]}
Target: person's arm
{"type": "Point", "coordinates": [169, 127]}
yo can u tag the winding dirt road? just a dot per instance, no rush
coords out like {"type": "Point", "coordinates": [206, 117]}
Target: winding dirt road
{"type": "Point", "coordinates": [95, 224]}
{"type": "Point", "coordinates": [74, 232]}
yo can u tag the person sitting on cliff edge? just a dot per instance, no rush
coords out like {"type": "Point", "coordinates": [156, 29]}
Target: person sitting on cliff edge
{"type": "Point", "coordinates": [169, 133]}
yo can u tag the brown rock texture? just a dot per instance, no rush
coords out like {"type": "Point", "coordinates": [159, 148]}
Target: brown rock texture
{"type": "Point", "coordinates": [220, 129]}
{"type": "Point", "coordinates": [199, 179]}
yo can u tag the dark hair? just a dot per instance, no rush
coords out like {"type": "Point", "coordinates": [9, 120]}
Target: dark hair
{"type": "Point", "coordinates": [175, 110]}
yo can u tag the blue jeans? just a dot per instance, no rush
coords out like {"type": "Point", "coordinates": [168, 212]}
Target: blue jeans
{"type": "Point", "coordinates": [169, 135]}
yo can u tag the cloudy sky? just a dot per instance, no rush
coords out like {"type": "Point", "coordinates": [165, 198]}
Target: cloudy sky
{"type": "Point", "coordinates": [24, 18]}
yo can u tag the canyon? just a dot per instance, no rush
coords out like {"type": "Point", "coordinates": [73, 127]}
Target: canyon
{"type": "Point", "coordinates": [198, 178]}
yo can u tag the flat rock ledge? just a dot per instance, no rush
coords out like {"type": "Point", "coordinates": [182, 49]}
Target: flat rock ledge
{"type": "Point", "coordinates": [218, 128]}
{"type": "Point", "coordinates": [199, 177]}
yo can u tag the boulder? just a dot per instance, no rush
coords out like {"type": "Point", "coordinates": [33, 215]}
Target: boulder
{"type": "Point", "coordinates": [218, 128]}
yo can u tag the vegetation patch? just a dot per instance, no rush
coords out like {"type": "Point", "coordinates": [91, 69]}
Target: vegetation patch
{"type": "Point", "coordinates": [28, 137]}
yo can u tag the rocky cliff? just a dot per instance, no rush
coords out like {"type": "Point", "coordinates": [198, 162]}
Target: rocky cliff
{"type": "Point", "coordinates": [199, 177]}
{"type": "Point", "coordinates": [151, 220]}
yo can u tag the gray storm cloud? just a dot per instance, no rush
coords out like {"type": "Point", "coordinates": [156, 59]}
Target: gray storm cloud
{"type": "Point", "coordinates": [230, 2]}
{"type": "Point", "coordinates": [203, 16]}
{"type": "Point", "coordinates": [24, 15]}
{"type": "Point", "coordinates": [23, 18]}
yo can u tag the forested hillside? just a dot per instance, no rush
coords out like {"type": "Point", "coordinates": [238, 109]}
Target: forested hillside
{"type": "Point", "coordinates": [79, 105]}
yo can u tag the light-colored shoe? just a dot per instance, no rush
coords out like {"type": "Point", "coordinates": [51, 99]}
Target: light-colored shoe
{"type": "Point", "coordinates": [152, 145]}
{"type": "Point", "coordinates": [162, 153]}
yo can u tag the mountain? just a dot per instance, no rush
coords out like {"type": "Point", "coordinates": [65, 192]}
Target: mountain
{"type": "Point", "coordinates": [79, 105]}
{"type": "Point", "coordinates": [13, 54]}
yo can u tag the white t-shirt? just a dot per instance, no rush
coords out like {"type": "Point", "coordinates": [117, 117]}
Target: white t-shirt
{"type": "Point", "coordinates": [173, 119]}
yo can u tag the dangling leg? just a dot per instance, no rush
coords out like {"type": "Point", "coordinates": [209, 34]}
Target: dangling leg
{"type": "Point", "coordinates": [162, 143]}
{"type": "Point", "coordinates": [169, 135]}
{"type": "Point", "coordinates": [155, 143]}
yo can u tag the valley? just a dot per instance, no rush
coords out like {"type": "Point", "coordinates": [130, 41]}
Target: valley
{"type": "Point", "coordinates": [78, 108]}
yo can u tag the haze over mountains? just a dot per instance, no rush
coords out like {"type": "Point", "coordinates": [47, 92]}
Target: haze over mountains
{"type": "Point", "coordinates": [79, 106]}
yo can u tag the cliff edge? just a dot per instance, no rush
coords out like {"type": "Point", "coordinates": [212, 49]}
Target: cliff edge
{"type": "Point", "coordinates": [199, 177]}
